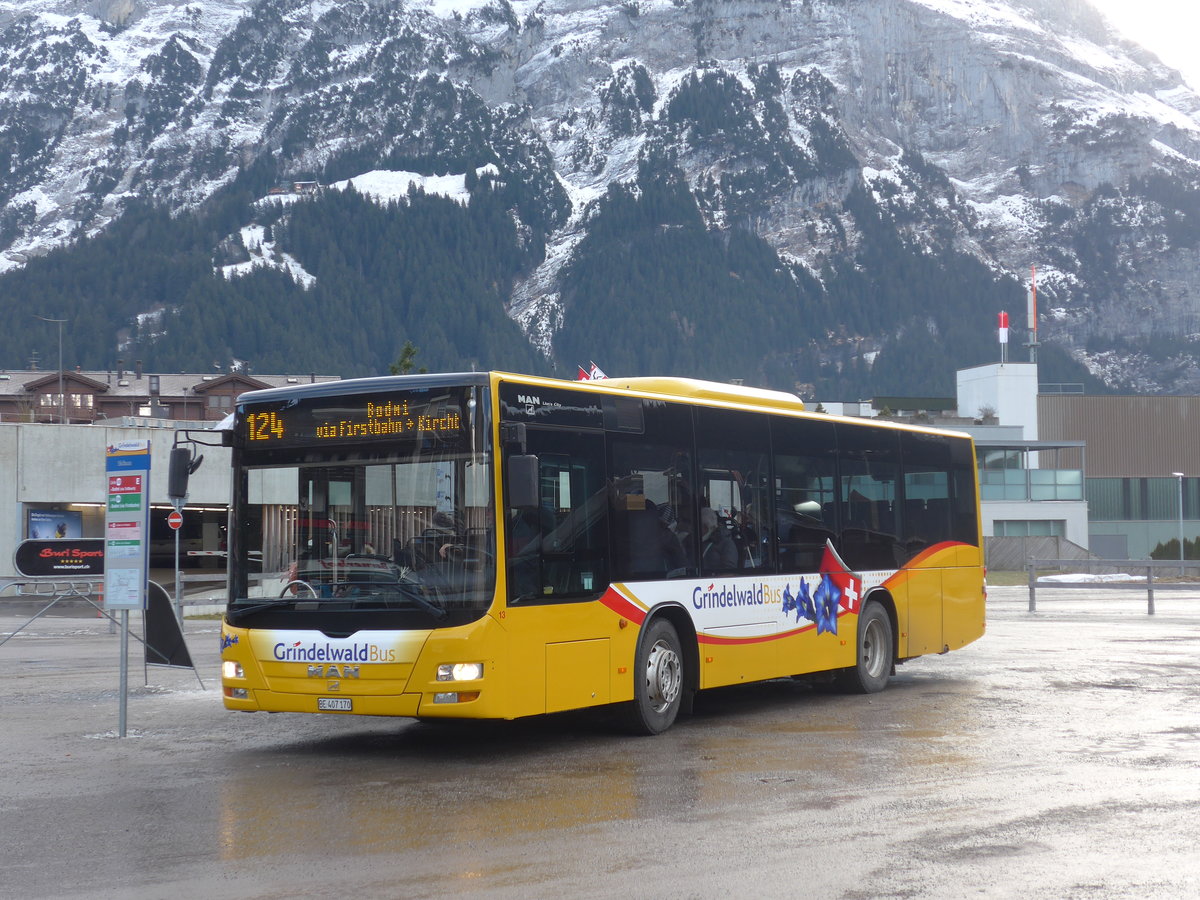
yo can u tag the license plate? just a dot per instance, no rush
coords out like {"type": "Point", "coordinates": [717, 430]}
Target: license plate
{"type": "Point", "coordinates": [340, 704]}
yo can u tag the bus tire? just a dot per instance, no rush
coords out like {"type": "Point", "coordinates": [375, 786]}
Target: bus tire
{"type": "Point", "coordinates": [873, 655]}
{"type": "Point", "coordinates": [658, 682]}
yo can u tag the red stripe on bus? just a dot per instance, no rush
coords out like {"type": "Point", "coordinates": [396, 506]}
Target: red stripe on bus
{"type": "Point", "coordinates": [622, 606]}
{"type": "Point", "coordinates": [757, 639]}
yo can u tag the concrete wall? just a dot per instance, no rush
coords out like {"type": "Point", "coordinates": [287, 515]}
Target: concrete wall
{"type": "Point", "coordinates": [1139, 538]}
{"type": "Point", "coordinates": [1011, 389]}
{"type": "Point", "coordinates": [1009, 554]}
{"type": "Point", "coordinates": [1074, 513]}
{"type": "Point", "coordinates": [65, 464]}
{"type": "Point", "coordinates": [12, 522]}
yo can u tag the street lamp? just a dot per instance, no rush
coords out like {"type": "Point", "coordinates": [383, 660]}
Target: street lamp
{"type": "Point", "coordinates": [62, 400]}
{"type": "Point", "coordinates": [1179, 477]}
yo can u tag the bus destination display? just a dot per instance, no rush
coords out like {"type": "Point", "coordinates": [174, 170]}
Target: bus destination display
{"type": "Point", "coordinates": [350, 421]}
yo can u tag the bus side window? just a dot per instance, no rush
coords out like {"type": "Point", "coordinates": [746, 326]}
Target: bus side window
{"type": "Point", "coordinates": [654, 522]}
{"type": "Point", "coordinates": [926, 463]}
{"type": "Point", "coordinates": [964, 521]}
{"type": "Point", "coordinates": [805, 462]}
{"type": "Point", "coordinates": [869, 472]}
{"type": "Point", "coordinates": [558, 550]}
{"type": "Point", "coordinates": [733, 459]}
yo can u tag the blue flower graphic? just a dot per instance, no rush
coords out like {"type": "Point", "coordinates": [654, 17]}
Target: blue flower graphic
{"type": "Point", "coordinates": [789, 602]}
{"type": "Point", "coordinates": [826, 599]}
{"type": "Point", "coordinates": [801, 602]}
{"type": "Point", "coordinates": [804, 601]}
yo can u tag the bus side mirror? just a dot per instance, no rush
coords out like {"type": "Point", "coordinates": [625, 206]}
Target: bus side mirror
{"type": "Point", "coordinates": [181, 466]}
{"type": "Point", "coordinates": [523, 481]}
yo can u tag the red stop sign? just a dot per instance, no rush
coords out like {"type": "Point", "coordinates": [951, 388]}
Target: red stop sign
{"type": "Point", "coordinates": [175, 519]}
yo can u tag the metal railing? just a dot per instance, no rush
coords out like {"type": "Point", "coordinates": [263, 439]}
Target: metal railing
{"type": "Point", "coordinates": [1035, 568]}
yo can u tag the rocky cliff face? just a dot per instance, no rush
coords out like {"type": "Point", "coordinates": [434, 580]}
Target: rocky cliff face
{"type": "Point", "coordinates": [1014, 133]}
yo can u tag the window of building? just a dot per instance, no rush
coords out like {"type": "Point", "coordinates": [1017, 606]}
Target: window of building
{"type": "Point", "coordinates": [1001, 459]}
{"type": "Point", "coordinates": [1141, 499]}
{"type": "Point", "coordinates": [1030, 528]}
{"type": "Point", "coordinates": [219, 401]}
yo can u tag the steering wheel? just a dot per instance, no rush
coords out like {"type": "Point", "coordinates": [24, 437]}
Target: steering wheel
{"type": "Point", "coordinates": [298, 583]}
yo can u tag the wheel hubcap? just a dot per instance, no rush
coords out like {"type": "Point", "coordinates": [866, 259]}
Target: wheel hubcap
{"type": "Point", "coordinates": [663, 676]}
{"type": "Point", "coordinates": [874, 653]}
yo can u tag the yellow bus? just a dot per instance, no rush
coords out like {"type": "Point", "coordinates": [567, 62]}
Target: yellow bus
{"type": "Point", "coordinates": [491, 545]}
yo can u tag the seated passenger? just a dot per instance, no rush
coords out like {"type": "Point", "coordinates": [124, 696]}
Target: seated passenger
{"type": "Point", "coordinates": [717, 550]}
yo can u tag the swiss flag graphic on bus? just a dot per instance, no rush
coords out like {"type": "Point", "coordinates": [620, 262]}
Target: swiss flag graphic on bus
{"type": "Point", "coordinates": [846, 581]}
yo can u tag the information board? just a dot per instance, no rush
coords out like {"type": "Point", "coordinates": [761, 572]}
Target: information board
{"type": "Point", "coordinates": [127, 524]}
{"type": "Point", "coordinates": [351, 420]}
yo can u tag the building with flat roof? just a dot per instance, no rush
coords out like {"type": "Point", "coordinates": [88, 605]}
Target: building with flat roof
{"type": "Point", "coordinates": [1142, 466]}
{"type": "Point", "coordinates": [119, 394]}
{"type": "Point", "coordinates": [52, 475]}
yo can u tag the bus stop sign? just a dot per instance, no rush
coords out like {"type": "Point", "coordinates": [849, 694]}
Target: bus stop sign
{"type": "Point", "coordinates": [175, 519]}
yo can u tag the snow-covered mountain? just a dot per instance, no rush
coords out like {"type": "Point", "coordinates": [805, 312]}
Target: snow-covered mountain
{"type": "Point", "coordinates": [1017, 134]}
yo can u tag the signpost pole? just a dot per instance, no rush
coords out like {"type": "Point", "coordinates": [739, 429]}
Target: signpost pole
{"type": "Point", "coordinates": [175, 523]}
{"type": "Point", "coordinates": [126, 543]}
{"type": "Point", "coordinates": [123, 706]}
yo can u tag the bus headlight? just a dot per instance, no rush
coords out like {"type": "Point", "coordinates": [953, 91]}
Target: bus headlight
{"type": "Point", "coordinates": [460, 671]}
{"type": "Point", "coordinates": [231, 669]}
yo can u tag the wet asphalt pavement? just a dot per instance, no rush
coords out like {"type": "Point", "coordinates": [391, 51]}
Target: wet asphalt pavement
{"type": "Point", "coordinates": [1057, 757]}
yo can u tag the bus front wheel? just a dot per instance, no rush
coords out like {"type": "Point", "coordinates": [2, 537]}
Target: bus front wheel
{"type": "Point", "coordinates": [873, 662]}
{"type": "Point", "coordinates": [657, 679]}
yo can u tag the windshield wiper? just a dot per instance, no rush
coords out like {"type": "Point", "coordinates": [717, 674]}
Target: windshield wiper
{"type": "Point", "coordinates": [266, 604]}
{"type": "Point", "coordinates": [414, 593]}
{"type": "Point", "coordinates": [313, 603]}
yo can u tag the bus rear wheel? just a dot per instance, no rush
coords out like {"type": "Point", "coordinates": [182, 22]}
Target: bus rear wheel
{"type": "Point", "coordinates": [657, 680]}
{"type": "Point", "coordinates": [873, 660]}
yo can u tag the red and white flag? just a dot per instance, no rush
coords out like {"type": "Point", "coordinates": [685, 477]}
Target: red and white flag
{"type": "Point", "coordinates": [848, 582]}
{"type": "Point", "coordinates": [592, 373]}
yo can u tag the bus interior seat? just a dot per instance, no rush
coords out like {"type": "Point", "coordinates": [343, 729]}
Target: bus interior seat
{"type": "Point", "coordinates": [640, 543]}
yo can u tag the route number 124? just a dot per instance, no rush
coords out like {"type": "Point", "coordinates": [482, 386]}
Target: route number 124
{"type": "Point", "coordinates": [264, 426]}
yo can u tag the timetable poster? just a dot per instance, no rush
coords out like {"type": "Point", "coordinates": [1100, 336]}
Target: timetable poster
{"type": "Point", "coordinates": [126, 524]}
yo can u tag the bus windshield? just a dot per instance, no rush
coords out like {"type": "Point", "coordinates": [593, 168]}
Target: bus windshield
{"type": "Point", "coordinates": [351, 536]}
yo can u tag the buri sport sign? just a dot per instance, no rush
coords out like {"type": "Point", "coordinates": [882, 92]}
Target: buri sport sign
{"type": "Point", "coordinates": [69, 558]}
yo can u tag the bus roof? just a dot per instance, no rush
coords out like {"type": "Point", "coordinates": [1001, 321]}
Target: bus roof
{"type": "Point", "coordinates": [662, 385]}
{"type": "Point", "coordinates": [696, 389]}
{"type": "Point", "coordinates": [717, 392]}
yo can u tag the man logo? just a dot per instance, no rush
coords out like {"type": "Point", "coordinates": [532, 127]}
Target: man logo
{"type": "Point", "coordinates": [332, 672]}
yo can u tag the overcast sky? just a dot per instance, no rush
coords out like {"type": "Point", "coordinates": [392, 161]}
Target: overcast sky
{"type": "Point", "coordinates": [1168, 28]}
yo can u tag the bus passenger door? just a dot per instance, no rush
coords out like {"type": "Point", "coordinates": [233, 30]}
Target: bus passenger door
{"type": "Point", "coordinates": [557, 566]}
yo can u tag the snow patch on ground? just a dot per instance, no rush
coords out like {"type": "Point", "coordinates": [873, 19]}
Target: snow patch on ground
{"type": "Point", "coordinates": [264, 254]}
{"type": "Point", "coordinates": [1089, 578]}
{"type": "Point", "coordinates": [381, 186]}
{"type": "Point", "coordinates": [384, 186]}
